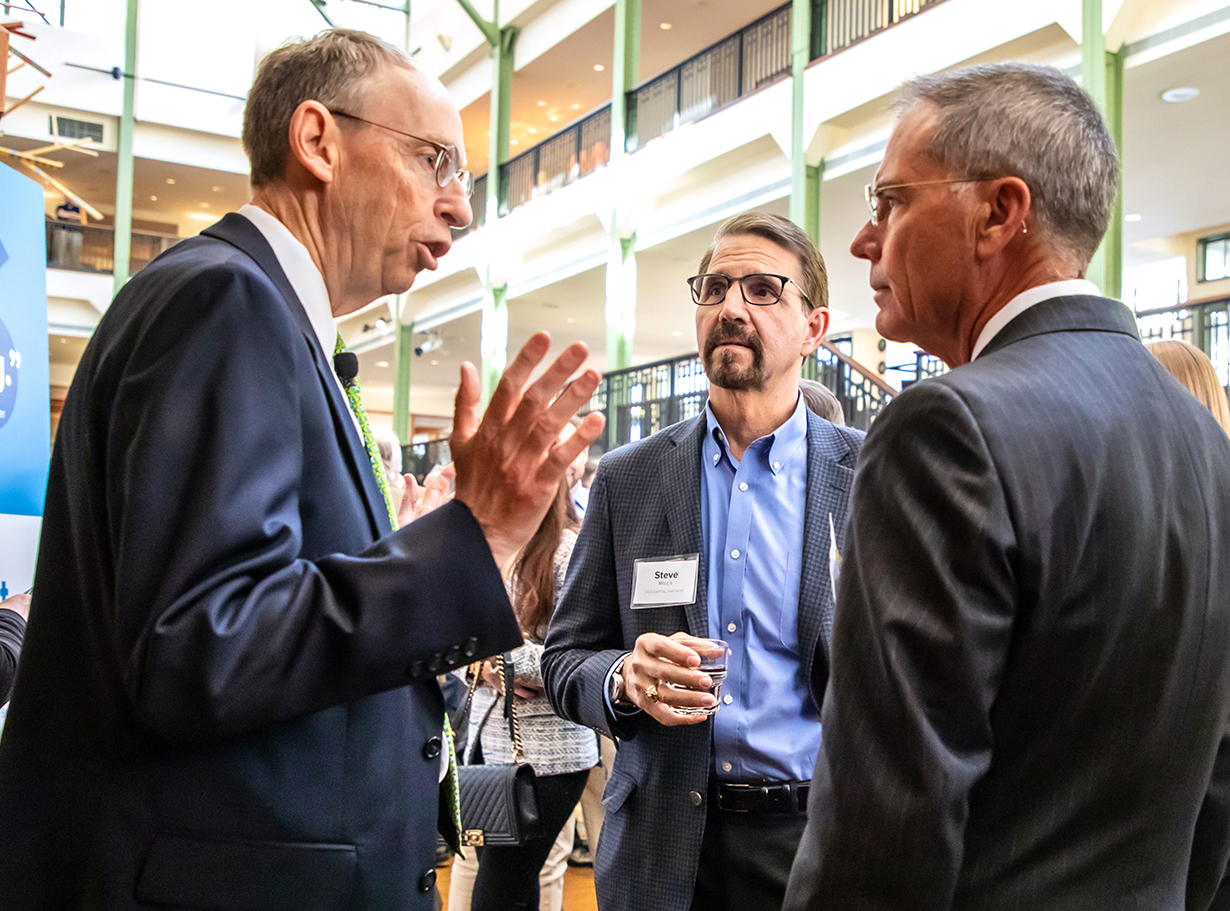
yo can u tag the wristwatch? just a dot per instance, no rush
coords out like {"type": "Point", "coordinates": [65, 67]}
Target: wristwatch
{"type": "Point", "coordinates": [617, 682]}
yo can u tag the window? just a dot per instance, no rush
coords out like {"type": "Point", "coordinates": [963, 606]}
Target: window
{"type": "Point", "coordinates": [1213, 258]}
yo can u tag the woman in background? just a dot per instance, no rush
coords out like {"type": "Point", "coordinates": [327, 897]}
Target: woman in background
{"type": "Point", "coordinates": [561, 752]}
{"type": "Point", "coordinates": [1192, 367]}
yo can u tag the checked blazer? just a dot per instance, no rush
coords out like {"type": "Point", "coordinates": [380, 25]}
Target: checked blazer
{"type": "Point", "coordinates": [646, 503]}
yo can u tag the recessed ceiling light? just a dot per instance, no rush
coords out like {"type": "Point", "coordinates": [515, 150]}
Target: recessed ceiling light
{"type": "Point", "coordinates": [153, 199]}
{"type": "Point", "coordinates": [204, 205]}
{"type": "Point", "coordinates": [63, 341]}
{"type": "Point", "coordinates": [553, 118]}
{"type": "Point", "coordinates": [533, 131]}
{"type": "Point", "coordinates": [171, 180]}
{"type": "Point", "coordinates": [216, 189]}
{"type": "Point", "coordinates": [435, 363]}
{"type": "Point", "coordinates": [542, 104]}
{"type": "Point", "coordinates": [1180, 95]}
{"type": "Point", "coordinates": [382, 363]}
{"type": "Point", "coordinates": [1131, 218]}
{"type": "Point", "coordinates": [665, 26]}
{"type": "Point", "coordinates": [575, 106]}
{"type": "Point", "coordinates": [513, 141]}
{"type": "Point", "coordinates": [598, 67]}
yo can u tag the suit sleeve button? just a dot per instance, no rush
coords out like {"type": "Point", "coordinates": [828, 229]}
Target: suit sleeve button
{"type": "Point", "coordinates": [431, 749]}
{"type": "Point", "coordinates": [416, 669]}
{"type": "Point", "coordinates": [453, 658]}
{"type": "Point", "coordinates": [695, 797]}
{"type": "Point", "coordinates": [436, 664]}
{"type": "Point", "coordinates": [471, 647]}
{"type": "Point", "coordinates": [427, 881]}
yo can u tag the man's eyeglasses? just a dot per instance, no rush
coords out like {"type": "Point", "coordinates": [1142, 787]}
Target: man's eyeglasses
{"type": "Point", "coordinates": [760, 289]}
{"type": "Point", "coordinates": [448, 159]}
{"type": "Point", "coordinates": [879, 209]}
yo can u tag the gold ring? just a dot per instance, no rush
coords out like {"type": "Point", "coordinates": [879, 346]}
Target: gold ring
{"type": "Point", "coordinates": [652, 692]}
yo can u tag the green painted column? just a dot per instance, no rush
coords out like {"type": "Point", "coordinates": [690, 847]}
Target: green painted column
{"type": "Point", "coordinates": [124, 162]}
{"type": "Point", "coordinates": [814, 192]}
{"type": "Point", "coordinates": [493, 343]}
{"type": "Point", "coordinates": [800, 47]}
{"type": "Point", "coordinates": [1102, 78]}
{"type": "Point", "coordinates": [621, 251]}
{"type": "Point", "coordinates": [403, 360]}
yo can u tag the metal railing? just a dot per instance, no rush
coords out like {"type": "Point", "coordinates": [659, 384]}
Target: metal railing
{"type": "Point", "coordinates": [569, 155]}
{"type": "Point", "coordinates": [420, 458]}
{"type": "Point", "coordinates": [91, 248]}
{"type": "Point", "coordinates": [738, 65]}
{"type": "Point", "coordinates": [1205, 324]}
{"type": "Point", "coordinates": [640, 401]}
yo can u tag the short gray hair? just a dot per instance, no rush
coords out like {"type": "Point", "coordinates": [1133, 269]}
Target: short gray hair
{"type": "Point", "coordinates": [790, 237]}
{"type": "Point", "coordinates": [1035, 123]}
{"type": "Point", "coordinates": [822, 401]}
{"type": "Point", "coordinates": [331, 68]}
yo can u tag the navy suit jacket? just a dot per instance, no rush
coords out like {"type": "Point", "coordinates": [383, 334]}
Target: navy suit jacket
{"type": "Point", "coordinates": [646, 503]}
{"type": "Point", "coordinates": [227, 694]}
{"type": "Point", "coordinates": [1031, 656]}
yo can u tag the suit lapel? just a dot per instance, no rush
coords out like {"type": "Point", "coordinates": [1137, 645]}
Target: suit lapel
{"type": "Point", "coordinates": [828, 486]}
{"type": "Point", "coordinates": [681, 480]}
{"type": "Point", "coordinates": [240, 233]}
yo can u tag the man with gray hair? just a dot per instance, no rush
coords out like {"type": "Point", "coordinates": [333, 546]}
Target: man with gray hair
{"type": "Point", "coordinates": [227, 697]}
{"type": "Point", "coordinates": [1031, 654]}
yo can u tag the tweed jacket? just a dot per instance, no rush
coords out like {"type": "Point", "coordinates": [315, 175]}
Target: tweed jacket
{"type": "Point", "coordinates": [646, 502]}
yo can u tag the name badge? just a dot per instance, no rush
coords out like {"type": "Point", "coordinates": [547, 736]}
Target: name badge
{"type": "Point", "coordinates": [665, 582]}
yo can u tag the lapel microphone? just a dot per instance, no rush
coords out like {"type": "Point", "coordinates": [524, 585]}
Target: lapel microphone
{"type": "Point", "coordinates": [346, 365]}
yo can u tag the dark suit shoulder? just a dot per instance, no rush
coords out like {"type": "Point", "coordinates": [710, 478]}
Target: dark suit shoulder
{"type": "Point", "coordinates": [635, 456]}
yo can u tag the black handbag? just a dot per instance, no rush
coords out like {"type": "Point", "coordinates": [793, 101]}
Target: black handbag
{"type": "Point", "coordinates": [499, 803]}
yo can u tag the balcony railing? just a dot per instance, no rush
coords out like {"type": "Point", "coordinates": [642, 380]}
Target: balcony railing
{"type": "Point", "coordinates": [640, 401]}
{"type": "Point", "coordinates": [91, 248]}
{"type": "Point", "coordinates": [752, 58]}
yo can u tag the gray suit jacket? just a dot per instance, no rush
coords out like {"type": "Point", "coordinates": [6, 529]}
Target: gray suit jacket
{"type": "Point", "coordinates": [645, 502]}
{"type": "Point", "coordinates": [1031, 654]}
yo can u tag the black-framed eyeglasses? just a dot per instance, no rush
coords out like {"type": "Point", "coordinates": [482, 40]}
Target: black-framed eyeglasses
{"type": "Point", "coordinates": [761, 289]}
{"type": "Point", "coordinates": [872, 193]}
{"type": "Point", "coordinates": [448, 158]}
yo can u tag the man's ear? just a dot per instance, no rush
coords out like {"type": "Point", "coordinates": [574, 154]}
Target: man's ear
{"type": "Point", "coordinates": [1008, 203]}
{"type": "Point", "coordinates": [817, 325]}
{"type": "Point", "coordinates": [315, 140]}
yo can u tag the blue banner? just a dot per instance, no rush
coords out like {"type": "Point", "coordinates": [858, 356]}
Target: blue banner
{"type": "Point", "coordinates": [25, 407]}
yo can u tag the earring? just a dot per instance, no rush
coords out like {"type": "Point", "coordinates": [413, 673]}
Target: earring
{"type": "Point", "coordinates": [1024, 229]}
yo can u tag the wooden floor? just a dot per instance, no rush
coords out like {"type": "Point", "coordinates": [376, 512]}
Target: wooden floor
{"type": "Point", "coordinates": [578, 888]}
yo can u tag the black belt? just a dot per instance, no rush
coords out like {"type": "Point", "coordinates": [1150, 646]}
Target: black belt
{"type": "Point", "coordinates": [760, 796]}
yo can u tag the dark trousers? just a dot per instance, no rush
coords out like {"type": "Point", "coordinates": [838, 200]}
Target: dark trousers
{"type": "Point", "coordinates": [507, 878]}
{"type": "Point", "coordinates": [745, 860]}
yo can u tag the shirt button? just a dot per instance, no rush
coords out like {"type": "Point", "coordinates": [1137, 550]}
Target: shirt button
{"type": "Point", "coordinates": [695, 797]}
{"type": "Point", "coordinates": [743, 485]}
{"type": "Point", "coordinates": [730, 628]}
{"type": "Point", "coordinates": [716, 456]}
{"type": "Point", "coordinates": [726, 766]}
{"type": "Point", "coordinates": [734, 554]}
{"type": "Point", "coordinates": [728, 699]}
{"type": "Point", "coordinates": [777, 465]}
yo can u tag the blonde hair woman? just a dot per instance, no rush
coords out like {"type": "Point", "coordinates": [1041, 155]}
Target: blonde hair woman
{"type": "Point", "coordinates": [1192, 367]}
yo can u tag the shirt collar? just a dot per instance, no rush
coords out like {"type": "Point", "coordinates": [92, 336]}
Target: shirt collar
{"type": "Point", "coordinates": [784, 443]}
{"type": "Point", "coordinates": [1027, 299]}
{"type": "Point", "coordinates": [301, 272]}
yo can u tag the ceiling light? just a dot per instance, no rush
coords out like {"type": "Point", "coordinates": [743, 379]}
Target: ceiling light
{"type": "Point", "coordinates": [542, 104]}
{"type": "Point", "coordinates": [171, 180]}
{"type": "Point", "coordinates": [665, 26]}
{"type": "Point", "coordinates": [1131, 218]}
{"type": "Point", "coordinates": [204, 205]}
{"type": "Point", "coordinates": [204, 216]}
{"type": "Point", "coordinates": [216, 189]}
{"type": "Point", "coordinates": [63, 341]}
{"type": "Point", "coordinates": [446, 42]}
{"type": "Point", "coordinates": [533, 131]}
{"type": "Point", "coordinates": [572, 319]}
{"type": "Point", "coordinates": [435, 363]}
{"type": "Point", "coordinates": [382, 363]}
{"type": "Point", "coordinates": [553, 118]}
{"type": "Point", "coordinates": [153, 199]}
{"type": "Point", "coordinates": [1180, 95]}
{"type": "Point", "coordinates": [513, 142]}
{"type": "Point", "coordinates": [676, 332]}
{"type": "Point", "coordinates": [575, 106]}
{"type": "Point", "coordinates": [598, 67]}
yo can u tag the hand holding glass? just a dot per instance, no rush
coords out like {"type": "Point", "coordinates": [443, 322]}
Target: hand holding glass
{"type": "Point", "coordinates": [713, 653]}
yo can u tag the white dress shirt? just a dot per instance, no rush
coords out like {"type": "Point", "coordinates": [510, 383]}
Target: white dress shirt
{"type": "Point", "coordinates": [1027, 299]}
{"type": "Point", "coordinates": [308, 285]}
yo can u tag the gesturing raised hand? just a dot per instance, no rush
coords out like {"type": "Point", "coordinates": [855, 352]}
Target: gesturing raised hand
{"type": "Point", "coordinates": [509, 466]}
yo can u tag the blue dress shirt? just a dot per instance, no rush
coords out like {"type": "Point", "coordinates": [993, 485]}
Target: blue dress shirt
{"type": "Point", "coordinates": [768, 726]}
